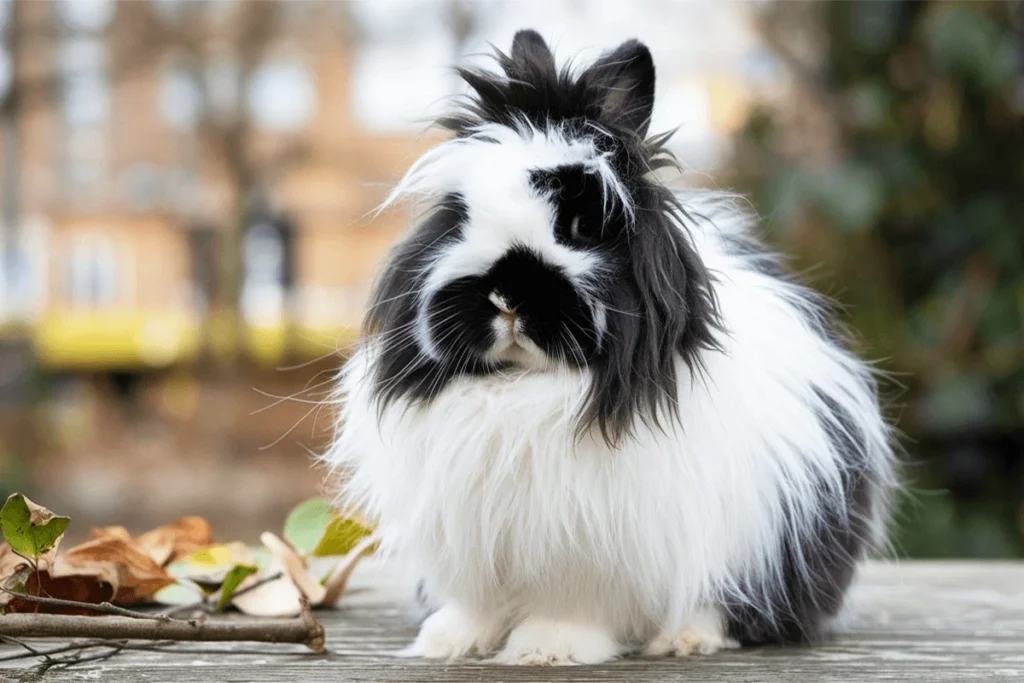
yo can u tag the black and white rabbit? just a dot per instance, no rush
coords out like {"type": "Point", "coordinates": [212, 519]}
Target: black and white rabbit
{"type": "Point", "coordinates": [591, 413]}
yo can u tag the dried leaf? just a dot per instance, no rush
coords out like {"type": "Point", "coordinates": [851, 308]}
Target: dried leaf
{"type": "Point", "coordinates": [133, 574]}
{"type": "Point", "coordinates": [165, 543]}
{"type": "Point", "coordinates": [110, 532]}
{"type": "Point", "coordinates": [31, 530]}
{"type": "Point", "coordinates": [335, 584]}
{"type": "Point", "coordinates": [278, 598]}
{"type": "Point", "coordinates": [294, 567]}
{"type": "Point", "coordinates": [79, 587]}
{"type": "Point", "coordinates": [14, 571]}
{"type": "Point", "coordinates": [10, 561]}
{"type": "Point", "coordinates": [176, 540]}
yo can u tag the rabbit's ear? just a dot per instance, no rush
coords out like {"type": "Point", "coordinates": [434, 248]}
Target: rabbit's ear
{"type": "Point", "coordinates": [625, 76]}
{"type": "Point", "coordinates": [528, 48]}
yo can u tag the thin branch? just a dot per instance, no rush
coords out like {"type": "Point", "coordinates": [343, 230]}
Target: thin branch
{"type": "Point", "coordinates": [101, 608]}
{"type": "Point", "coordinates": [254, 586]}
{"type": "Point", "coordinates": [304, 629]}
{"type": "Point", "coordinates": [70, 647]}
{"type": "Point", "coordinates": [32, 652]}
{"type": "Point", "coordinates": [76, 658]}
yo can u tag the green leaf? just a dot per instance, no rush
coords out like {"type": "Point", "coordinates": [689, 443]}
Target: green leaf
{"type": "Point", "coordinates": [231, 582]}
{"type": "Point", "coordinates": [307, 523]}
{"type": "Point", "coordinates": [27, 538]}
{"type": "Point", "coordinates": [341, 536]}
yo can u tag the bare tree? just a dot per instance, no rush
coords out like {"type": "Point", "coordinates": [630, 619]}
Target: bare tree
{"type": "Point", "coordinates": [225, 128]}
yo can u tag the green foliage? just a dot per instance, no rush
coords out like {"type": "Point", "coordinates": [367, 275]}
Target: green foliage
{"type": "Point", "coordinates": [910, 192]}
{"type": "Point", "coordinates": [27, 537]}
{"type": "Point", "coordinates": [340, 536]}
{"type": "Point", "coordinates": [315, 528]}
{"type": "Point", "coordinates": [306, 524]}
{"type": "Point", "coordinates": [231, 583]}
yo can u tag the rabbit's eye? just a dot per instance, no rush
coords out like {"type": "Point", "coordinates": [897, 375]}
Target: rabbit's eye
{"type": "Point", "coordinates": [581, 230]}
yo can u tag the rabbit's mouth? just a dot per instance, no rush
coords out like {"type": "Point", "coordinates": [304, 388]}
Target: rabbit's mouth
{"type": "Point", "coordinates": [512, 345]}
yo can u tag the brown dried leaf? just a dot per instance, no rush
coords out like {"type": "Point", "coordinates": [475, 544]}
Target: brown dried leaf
{"type": "Point", "coordinates": [110, 532]}
{"type": "Point", "coordinates": [132, 574]}
{"type": "Point", "coordinates": [82, 588]}
{"type": "Point", "coordinates": [177, 539]}
{"type": "Point", "coordinates": [165, 543]}
{"type": "Point", "coordinates": [14, 569]}
{"type": "Point", "coordinates": [10, 561]}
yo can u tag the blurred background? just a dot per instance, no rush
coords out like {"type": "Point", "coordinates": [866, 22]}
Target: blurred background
{"type": "Point", "coordinates": [185, 188]}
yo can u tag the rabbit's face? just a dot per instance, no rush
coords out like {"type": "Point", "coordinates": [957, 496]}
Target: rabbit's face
{"type": "Point", "coordinates": [522, 277]}
{"type": "Point", "coordinates": [548, 243]}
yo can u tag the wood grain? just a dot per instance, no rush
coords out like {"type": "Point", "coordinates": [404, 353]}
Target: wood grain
{"type": "Point", "coordinates": [955, 621]}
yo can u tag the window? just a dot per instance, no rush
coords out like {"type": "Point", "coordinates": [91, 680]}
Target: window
{"type": "Point", "coordinates": [267, 255]}
{"type": "Point", "coordinates": [144, 185]}
{"type": "Point", "coordinates": [181, 98]}
{"type": "Point", "coordinates": [282, 95]}
{"type": "Point", "coordinates": [91, 274]}
{"type": "Point", "coordinates": [23, 278]}
{"type": "Point", "coordinates": [88, 16]}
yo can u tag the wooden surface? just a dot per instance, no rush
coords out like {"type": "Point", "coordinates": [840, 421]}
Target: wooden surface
{"type": "Point", "coordinates": [909, 622]}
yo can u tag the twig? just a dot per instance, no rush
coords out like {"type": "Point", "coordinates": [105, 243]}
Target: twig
{"type": "Point", "coordinates": [32, 652]}
{"type": "Point", "coordinates": [101, 608]}
{"type": "Point", "coordinates": [77, 658]}
{"type": "Point", "coordinates": [254, 586]}
{"type": "Point", "coordinates": [304, 629]}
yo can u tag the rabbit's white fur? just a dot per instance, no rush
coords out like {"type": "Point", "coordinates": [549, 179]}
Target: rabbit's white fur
{"type": "Point", "coordinates": [487, 494]}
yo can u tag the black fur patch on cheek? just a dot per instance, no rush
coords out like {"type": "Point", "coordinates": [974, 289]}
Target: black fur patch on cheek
{"type": "Point", "coordinates": [459, 316]}
{"type": "Point", "coordinates": [403, 367]}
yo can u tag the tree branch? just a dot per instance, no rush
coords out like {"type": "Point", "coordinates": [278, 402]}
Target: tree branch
{"type": "Point", "coordinates": [304, 629]}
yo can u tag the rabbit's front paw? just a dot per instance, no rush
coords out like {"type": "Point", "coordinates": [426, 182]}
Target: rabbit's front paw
{"type": "Point", "coordinates": [448, 633]}
{"type": "Point", "coordinates": [703, 634]}
{"type": "Point", "coordinates": [548, 642]}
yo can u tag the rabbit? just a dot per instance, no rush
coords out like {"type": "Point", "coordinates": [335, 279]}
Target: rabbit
{"type": "Point", "coordinates": [592, 416]}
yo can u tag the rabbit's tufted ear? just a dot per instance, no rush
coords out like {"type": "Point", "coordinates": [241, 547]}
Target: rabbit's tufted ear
{"type": "Point", "coordinates": [529, 49]}
{"type": "Point", "coordinates": [626, 77]}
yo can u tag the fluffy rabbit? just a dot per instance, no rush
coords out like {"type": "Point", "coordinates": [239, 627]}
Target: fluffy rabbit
{"type": "Point", "coordinates": [592, 415]}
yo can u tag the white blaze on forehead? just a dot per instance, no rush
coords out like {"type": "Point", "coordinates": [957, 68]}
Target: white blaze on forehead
{"type": "Point", "coordinates": [491, 170]}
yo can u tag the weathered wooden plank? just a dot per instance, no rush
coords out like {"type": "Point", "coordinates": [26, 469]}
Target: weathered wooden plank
{"type": "Point", "coordinates": [912, 621]}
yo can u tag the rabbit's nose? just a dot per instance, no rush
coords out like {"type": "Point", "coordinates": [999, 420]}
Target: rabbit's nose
{"type": "Point", "coordinates": [501, 303]}
{"type": "Point", "coordinates": [505, 312]}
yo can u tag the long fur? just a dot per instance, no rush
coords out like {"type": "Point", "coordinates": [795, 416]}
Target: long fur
{"type": "Point", "coordinates": [711, 444]}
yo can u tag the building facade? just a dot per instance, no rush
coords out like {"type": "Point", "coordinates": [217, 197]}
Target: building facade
{"type": "Point", "coordinates": [134, 124]}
